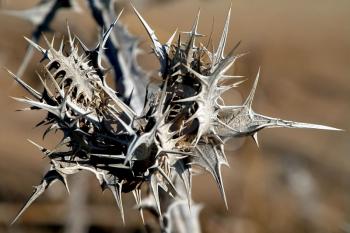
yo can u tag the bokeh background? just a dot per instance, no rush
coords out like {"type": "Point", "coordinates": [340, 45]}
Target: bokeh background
{"type": "Point", "coordinates": [297, 182]}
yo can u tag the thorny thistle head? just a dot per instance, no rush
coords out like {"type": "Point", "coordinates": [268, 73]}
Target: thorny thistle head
{"type": "Point", "coordinates": [183, 125]}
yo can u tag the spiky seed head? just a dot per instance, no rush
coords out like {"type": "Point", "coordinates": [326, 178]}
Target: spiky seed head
{"type": "Point", "coordinates": [182, 124]}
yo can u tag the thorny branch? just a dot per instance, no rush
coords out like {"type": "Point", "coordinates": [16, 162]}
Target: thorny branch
{"type": "Point", "coordinates": [130, 143]}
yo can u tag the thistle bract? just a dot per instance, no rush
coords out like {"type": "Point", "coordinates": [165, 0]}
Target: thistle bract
{"type": "Point", "coordinates": [183, 124]}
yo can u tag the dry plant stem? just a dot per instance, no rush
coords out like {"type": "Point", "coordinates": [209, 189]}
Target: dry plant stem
{"type": "Point", "coordinates": [77, 219]}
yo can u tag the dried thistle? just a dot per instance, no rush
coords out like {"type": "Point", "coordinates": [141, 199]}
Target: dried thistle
{"type": "Point", "coordinates": [183, 124]}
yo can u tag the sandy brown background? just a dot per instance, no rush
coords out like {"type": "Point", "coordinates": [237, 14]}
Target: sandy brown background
{"type": "Point", "coordinates": [298, 181]}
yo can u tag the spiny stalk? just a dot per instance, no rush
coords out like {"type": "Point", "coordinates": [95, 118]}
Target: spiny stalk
{"type": "Point", "coordinates": [183, 124]}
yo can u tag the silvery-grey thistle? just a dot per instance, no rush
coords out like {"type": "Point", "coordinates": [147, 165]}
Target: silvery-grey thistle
{"type": "Point", "coordinates": [184, 123]}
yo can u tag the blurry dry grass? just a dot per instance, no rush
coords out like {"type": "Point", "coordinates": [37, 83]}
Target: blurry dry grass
{"type": "Point", "coordinates": [298, 181]}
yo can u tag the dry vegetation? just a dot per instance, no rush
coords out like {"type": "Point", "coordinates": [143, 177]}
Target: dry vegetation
{"type": "Point", "coordinates": [298, 181]}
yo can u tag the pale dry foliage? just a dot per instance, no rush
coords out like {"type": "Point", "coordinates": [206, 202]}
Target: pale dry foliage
{"type": "Point", "coordinates": [148, 146]}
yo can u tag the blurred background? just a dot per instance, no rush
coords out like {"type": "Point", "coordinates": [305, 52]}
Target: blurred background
{"type": "Point", "coordinates": [298, 181]}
